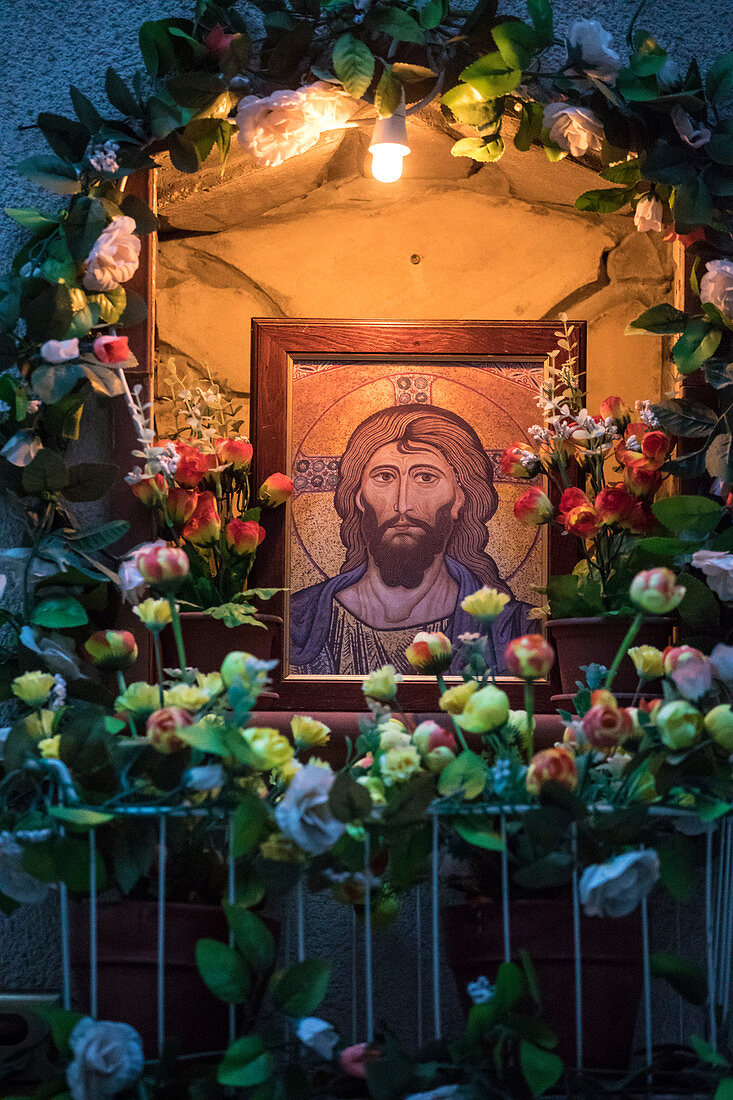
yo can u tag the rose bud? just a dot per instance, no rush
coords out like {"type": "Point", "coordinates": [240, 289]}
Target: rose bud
{"type": "Point", "coordinates": [33, 688]}
{"type": "Point", "coordinates": [204, 527]}
{"type": "Point", "coordinates": [647, 661]}
{"type": "Point", "coordinates": [161, 728]}
{"type": "Point", "coordinates": [486, 709]}
{"type": "Point", "coordinates": [353, 1060]}
{"type": "Point", "coordinates": [155, 614]}
{"type": "Point", "coordinates": [519, 462]}
{"type": "Point", "coordinates": [150, 491]}
{"type": "Point", "coordinates": [430, 652]}
{"type": "Point", "coordinates": [614, 505]}
{"type": "Point", "coordinates": [679, 724]}
{"type": "Point", "coordinates": [192, 466]}
{"type": "Point", "coordinates": [382, 684]}
{"type": "Point", "coordinates": [615, 408]}
{"type": "Point", "coordinates": [111, 349]}
{"type": "Point", "coordinates": [438, 759]}
{"type": "Point", "coordinates": [161, 565]}
{"type": "Point", "coordinates": [275, 490]}
{"type": "Point", "coordinates": [675, 655]}
{"type": "Point", "coordinates": [689, 669]}
{"type": "Point", "coordinates": [656, 446]}
{"type": "Point", "coordinates": [244, 536]}
{"type": "Point", "coordinates": [719, 724]}
{"type": "Point", "coordinates": [180, 505]}
{"type": "Point", "coordinates": [582, 520]}
{"type": "Point", "coordinates": [555, 764]}
{"type": "Point", "coordinates": [641, 520]}
{"type": "Point", "coordinates": [655, 591]}
{"type": "Point", "coordinates": [606, 727]}
{"type": "Point", "coordinates": [642, 482]}
{"type": "Point", "coordinates": [533, 508]}
{"type": "Point", "coordinates": [237, 452]}
{"type": "Point", "coordinates": [572, 498]}
{"type": "Point", "coordinates": [454, 699]}
{"type": "Point", "coordinates": [486, 604]}
{"type": "Point", "coordinates": [111, 649]}
{"type": "Point", "coordinates": [529, 657]}
{"type": "Point", "coordinates": [429, 735]}
{"type": "Point", "coordinates": [217, 41]}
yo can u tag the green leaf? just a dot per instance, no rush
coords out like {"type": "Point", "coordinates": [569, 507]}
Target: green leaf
{"type": "Point", "coordinates": [663, 319]}
{"type": "Point", "coordinates": [724, 1090]}
{"type": "Point", "coordinates": [46, 473]}
{"type": "Point", "coordinates": [77, 815]}
{"type": "Point", "coordinates": [395, 22]}
{"type": "Point", "coordinates": [249, 822]}
{"type": "Point", "coordinates": [479, 831]}
{"type": "Point", "coordinates": [699, 609]}
{"type": "Point", "coordinates": [685, 976]}
{"type": "Point", "coordinates": [688, 513]}
{"type": "Point", "coordinates": [103, 379]}
{"type": "Point", "coordinates": [59, 613]}
{"type": "Point", "coordinates": [67, 137]}
{"type": "Point", "coordinates": [540, 1068]}
{"type": "Point", "coordinates": [134, 848]}
{"type": "Point", "coordinates": [706, 1052]}
{"type": "Point", "coordinates": [679, 416]}
{"type": "Point", "coordinates": [530, 126]}
{"type": "Point", "coordinates": [31, 219]}
{"type": "Point", "coordinates": [90, 480]}
{"type": "Point", "coordinates": [51, 173]}
{"type": "Point", "coordinates": [478, 149]}
{"type": "Point", "coordinates": [120, 95]}
{"type": "Point", "coordinates": [86, 112]}
{"type": "Point", "coordinates": [245, 1063]}
{"type": "Point", "coordinates": [111, 304]}
{"type": "Point", "coordinates": [299, 990]}
{"type": "Point", "coordinates": [431, 15]}
{"type": "Point", "coordinates": [353, 64]}
{"type": "Point", "coordinates": [719, 78]}
{"type": "Point", "coordinates": [719, 458]}
{"type": "Point", "coordinates": [197, 90]}
{"type": "Point", "coordinates": [540, 12]}
{"type": "Point", "coordinates": [388, 95]}
{"type": "Point", "coordinates": [223, 970]}
{"type": "Point", "coordinates": [669, 164]}
{"type": "Point", "coordinates": [252, 937]}
{"type": "Point", "coordinates": [47, 311]}
{"type": "Point", "coordinates": [516, 43]}
{"type": "Point", "coordinates": [348, 800]}
{"type": "Point", "coordinates": [720, 148]}
{"type": "Point", "coordinates": [85, 222]}
{"type": "Point", "coordinates": [466, 775]}
{"type": "Point", "coordinates": [144, 218]}
{"type": "Point", "coordinates": [491, 77]}
{"type": "Point", "coordinates": [605, 200]}
{"type": "Point", "coordinates": [62, 1022]}
{"type": "Point", "coordinates": [412, 74]}
{"type": "Point", "coordinates": [677, 865]}
{"type": "Point", "coordinates": [469, 106]}
{"type": "Point", "coordinates": [53, 381]}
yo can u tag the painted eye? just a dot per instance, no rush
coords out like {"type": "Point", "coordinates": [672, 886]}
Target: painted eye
{"type": "Point", "coordinates": [426, 478]}
{"type": "Point", "coordinates": [383, 477]}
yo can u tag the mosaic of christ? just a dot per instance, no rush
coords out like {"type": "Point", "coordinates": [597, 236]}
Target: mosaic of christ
{"type": "Point", "coordinates": [400, 509]}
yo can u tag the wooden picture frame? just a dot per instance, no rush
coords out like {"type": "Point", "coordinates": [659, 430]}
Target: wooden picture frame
{"type": "Point", "coordinates": [287, 354]}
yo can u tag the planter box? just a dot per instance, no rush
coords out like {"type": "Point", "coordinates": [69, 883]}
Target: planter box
{"type": "Point", "coordinates": [596, 640]}
{"type": "Point", "coordinates": [207, 641]}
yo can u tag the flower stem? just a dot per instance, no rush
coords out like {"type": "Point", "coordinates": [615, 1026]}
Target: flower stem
{"type": "Point", "coordinates": [121, 685]}
{"type": "Point", "coordinates": [158, 665]}
{"type": "Point", "coordinates": [456, 727]}
{"type": "Point", "coordinates": [623, 649]}
{"type": "Point", "coordinates": [178, 635]}
{"type": "Point", "coordinates": [529, 707]}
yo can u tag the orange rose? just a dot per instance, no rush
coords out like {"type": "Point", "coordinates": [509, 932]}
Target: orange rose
{"type": "Point", "coordinates": [180, 505]}
{"type": "Point", "coordinates": [529, 657]}
{"type": "Point", "coordinates": [614, 504]}
{"type": "Point", "coordinates": [555, 764]}
{"type": "Point", "coordinates": [244, 536]}
{"type": "Point", "coordinates": [204, 527]}
{"type": "Point", "coordinates": [150, 491]}
{"type": "Point", "coordinates": [533, 508]}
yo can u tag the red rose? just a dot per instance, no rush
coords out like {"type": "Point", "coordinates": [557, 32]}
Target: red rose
{"type": "Point", "coordinates": [533, 508]}
{"type": "Point", "coordinates": [165, 565]}
{"type": "Point", "coordinates": [150, 491]}
{"type": "Point", "coordinates": [111, 349]}
{"type": "Point", "coordinates": [614, 504]}
{"type": "Point", "coordinates": [529, 657]}
{"type": "Point", "coordinates": [161, 728]}
{"type": "Point", "coordinates": [237, 452]}
{"type": "Point", "coordinates": [607, 726]}
{"type": "Point", "coordinates": [572, 498]}
{"type": "Point", "coordinates": [180, 505]}
{"type": "Point", "coordinates": [192, 466]}
{"type": "Point", "coordinates": [615, 408]}
{"type": "Point", "coordinates": [204, 527]}
{"type": "Point", "coordinates": [244, 536]}
{"type": "Point", "coordinates": [519, 462]}
{"type": "Point", "coordinates": [555, 764]}
{"type": "Point", "coordinates": [656, 446]}
{"type": "Point", "coordinates": [641, 482]}
{"type": "Point", "coordinates": [217, 41]}
{"type": "Point", "coordinates": [276, 490]}
{"type": "Point", "coordinates": [582, 520]}
{"type": "Point", "coordinates": [642, 520]}
{"type": "Point", "coordinates": [111, 649]}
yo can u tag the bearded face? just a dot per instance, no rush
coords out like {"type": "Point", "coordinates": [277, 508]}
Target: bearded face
{"type": "Point", "coordinates": [402, 549]}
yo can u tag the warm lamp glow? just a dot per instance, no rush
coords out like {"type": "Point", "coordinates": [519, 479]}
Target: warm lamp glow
{"type": "Point", "coordinates": [389, 146]}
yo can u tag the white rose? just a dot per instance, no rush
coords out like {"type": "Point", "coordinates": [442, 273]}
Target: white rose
{"type": "Point", "coordinates": [58, 651]}
{"type": "Point", "coordinates": [318, 1035]}
{"type": "Point", "coordinates": [22, 448]}
{"type": "Point", "coordinates": [577, 130]}
{"type": "Point", "coordinates": [721, 662]}
{"type": "Point", "coordinates": [716, 286]}
{"type": "Point", "coordinates": [669, 76]}
{"type": "Point", "coordinates": [207, 777]}
{"type": "Point", "coordinates": [329, 107]}
{"type": "Point", "coordinates": [648, 215]}
{"type": "Point", "coordinates": [276, 127]}
{"type": "Point", "coordinates": [594, 44]}
{"type": "Point", "coordinates": [615, 888]}
{"type": "Point", "coordinates": [108, 1057]}
{"type": "Point", "coordinates": [58, 351]}
{"type": "Point", "coordinates": [693, 136]}
{"type": "Point", "coordinates": [114, 257]}
{"type": "Point", "coordinates": [717, 565]}
{"type": "Point", "coordinates": [303, 813]}
{"type": "Point", "coordinates": [14, 881]}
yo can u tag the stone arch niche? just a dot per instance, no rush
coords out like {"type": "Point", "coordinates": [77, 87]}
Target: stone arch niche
{"type": "Point", "coordinates": [318, 237]}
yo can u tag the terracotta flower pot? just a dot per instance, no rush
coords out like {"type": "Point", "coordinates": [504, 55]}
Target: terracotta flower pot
{"type": "Point", "coordinates": [612, 969]}
{"type": "Point", "coordinates": [596, 640]}
{"type": "Point", "coordinates": [207, 641]}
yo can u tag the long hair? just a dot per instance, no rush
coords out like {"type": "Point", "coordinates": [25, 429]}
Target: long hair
{"type": "Point", "coordinates": [413, 427]}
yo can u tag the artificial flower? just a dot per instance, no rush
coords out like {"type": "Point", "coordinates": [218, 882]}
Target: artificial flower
{"type": "Point", "coordinates": [648, 661]}
{"type": "Point", "coordinates": [242, 668]}
{"type": "Point", "coordinates": [430, 652]}
{"type": "Point", "coordinates": [189, 696]}
{"type": "Point", "coordinates": [382, 684]}
{"type": "Point", "coordinates": [529, 657]}
{"type": "Point", "coordinates": [150, 490]}
{"type": "Point", "coordinates": [679, 724]}
{"type": "Point", "coordinates": [454, 699]}
{"type": "Point", "coordinates": [204, 777]}
{"type": "Point", "coordinates": [244, 536]}
{"type": "Point", "coordinates": [583, 520]}
{"type": "Point", "coordinates": [49, 747]}
{"type": "Point", "coordinates": [276, 489]}
{"type": "Point", "coordinates": [193, 465]}
{"type": "Point", "coordinates": [533, 508]}
{"type": "Point", "coordinates": [237, 452]}
{"type": "Point", "coordinates": [139, 699]}
{"type": "Point", "coordinates": [717, 565]}
{"type": "Point", "coordinates": [376, 789]}
{"type": "Point", "coordinates": [33, 688]}
{"type": "Point", "coordinates": [614, 505]}
{"type": "Point", "coordinates": [648, 214]}
{"type": "Point", "coordinates": [485, 709]}
{"type": "Point", "coordinates": [693, 135]}
{"type": "Point", "coordinates": [161, 565]}
{"type": "Point", "coordinates": [721, 662]}
{"type": "Point", "coordinates": [517, 461]}
{"type": "Point", "coordinates": [399, 764]}
{"type": "Point", "coordinates": [354, 1059]}
{"type": "Point", "coordinates": [204, 527]}
{"type": "Point", "coordinates": [111, 349]}
{"type": "Point", "coordinates": [606, 727]}
{"type": "Point", "coordinates": [309, 732]}
{"type": "Point", "coordinates": [481, 990]}
{"type": "Point", "coordinates": [590, 48]}
{"type": "Point", "coordinates": [303, 813]}
{"type": "Point", "coordinates": [615, 408]}
{"type": "Point", "coordinates": [556, 765]}
{"type": "Point", "coordinates": [265, 748]}
{"type": "Point", "coordinates": [576, 130]}
{"type": "Point", "coordinates": [155, 614]}
{"type": "Point", "coordinates": [429, 736]}
{"type": "Point", "coordinates": [111, 649]}
{"type": "Point", "coordinates": [690, 670]}
{"type": "Point", "coordinates": [317, 1035]}
{"type": "Point", "coordinates": [162, 726]}
{"type": "Point", "coordinates": [108, 1058]}
{"type": "Point", "coordinates": [180, 505]}
{"type": "Point", "coordinates": [131, 582]}
{"type": "Point", "coordinates": [114, 257]}
{"type": "Point", "coordinates": [15, 882]}
{"type": "Point", "coordinates": [615, 888]}
{"type": "Point", "coordinates": [286, 123]}
{"type": "Point", "coordinates": [486, 604]}
{"type": "Point", "coordinates": [60, 351]}
{"type": "Point", "coordinates": [439, 758]}
{"type": "Point", "coordinates": [393, 735]}
{"type": "Point", "coordinates": [716, 286]}
{"type": "Point", "coordinates": [443, 1092]}
{"type": "Point", "coordinates": [217, 41]}
{"type": "Point", "coordinates": [719, 724]}
{"type": "Point", "coordinates": [655, 591]}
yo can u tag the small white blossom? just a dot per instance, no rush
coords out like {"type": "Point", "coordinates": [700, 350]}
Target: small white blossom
{"type": "Point", "coordinates": [103, 158]}
{"type": "Point", "coordinates": [58, 692]}
{"type": "Point", "coordinates": [644, 411]}
{"type": "Point", "coordinates": [481, 991]}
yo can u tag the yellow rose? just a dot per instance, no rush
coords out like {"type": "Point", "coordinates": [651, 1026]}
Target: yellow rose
{"type": "Point", "coordinates": [485, 710]}
{"type": "Point", "coordinates": [454, 699]}
{"type": "Point", "coordinates": [49, 747]}
{"type": "Point", "coordinates": [647, 661]}
{"type": "Point", "coordinates": [486, 604]}
{"type": "Point", "coordinates": [210, 682]}
{"type": "Point", "coordinates": [33, 688]}
{"type": "Point", "coordinates": [397, 765]}
{"type": "Point", "coordinates": [40, 724]}
{"type": "Point", "coordinates": [382, 684]}
{"type": "Point", "coordinates": [278, 848]}
{"type": "Point", "coordinates": [188, 696]}
{"type": "Point", "coordinates": [139, 699]}
{"type": "Point", "coordinates": [719, 724]}
{"type": "Point", "coordinates": [266, 749]}
{"type": "Point", "coordinates": [393, 735]}
{"type": "Point", "coordinates": [287, 773]}
{"type": "Point", "coordinates": [155, 614]}
{"type": "Point", "coordinates": [679, 724]}
{"type": "Point", "coordinates": [308, 732]}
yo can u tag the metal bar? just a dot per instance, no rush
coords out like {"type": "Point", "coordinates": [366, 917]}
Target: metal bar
{"type": "Point", "coordinates": [709, 932]}
{"type": "Point", "coordinates": [300, 918]}
{"type": "Point", "coordinates": [435, 914]}
{"type": "Point", "coordinates": [728, 925]}
{"type": "Point", "coordinates": [680, 1000]}
{"type": "Point", "coordinates": [719, 903]}
{"type": "Point", "coordinates": [93, 957]}
{"type": "Point", "coordinates": [354, 981]}
{"type": "Point", "coordinates": [505, 892]}
{"type": "Point", "coordinates": [418, 979]}
{"type": "Point", "coordinates": [577, 956]}
{"type": "Point", "coordinates": [368, 945]}
{"type": "Point", "coordinates": [162, 860]}
{"type": "Point", "coordinates": [231, 897]}
{"type": "Point", "coordinates": [65, 945]}
{"type": "Point", "coordinates": [647, 987]}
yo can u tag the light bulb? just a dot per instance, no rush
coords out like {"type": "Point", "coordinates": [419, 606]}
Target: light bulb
{"type": "Point", "coordinates": [387, 161]}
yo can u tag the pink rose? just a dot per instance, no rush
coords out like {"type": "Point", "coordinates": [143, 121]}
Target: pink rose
{"type": "Point", "coordinates": [354, 1059]}
{"type": "Point", "coordinates": [114, 257]}
{"type": "Point", "coordinates": [111, 349]}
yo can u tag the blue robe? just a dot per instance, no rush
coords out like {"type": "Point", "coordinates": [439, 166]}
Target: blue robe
{"type": "Point", "coordinates": [311, 610]}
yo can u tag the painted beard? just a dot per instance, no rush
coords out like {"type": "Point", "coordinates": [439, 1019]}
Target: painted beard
{"type": "Point", "coordinates": [403, 559]}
